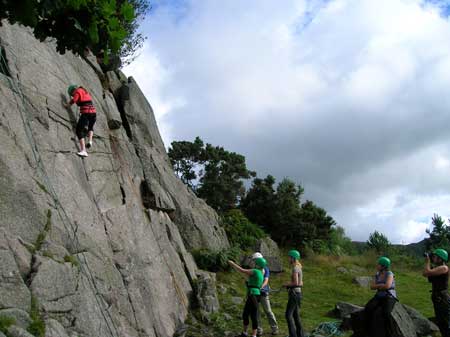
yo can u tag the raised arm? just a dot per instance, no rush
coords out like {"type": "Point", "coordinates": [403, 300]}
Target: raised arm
{"type": "Point", "coordinates": [427, 271]}
{"type": "Point", "coordinates": [238, 268]}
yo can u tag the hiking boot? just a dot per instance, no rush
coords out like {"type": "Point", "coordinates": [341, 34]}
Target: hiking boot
{"type": "Point", "coordinates": [82, 154]}
{"type": "Point", "coordinates": [89, 144]}
{"type": "Point", "coordinates": [274, 332]}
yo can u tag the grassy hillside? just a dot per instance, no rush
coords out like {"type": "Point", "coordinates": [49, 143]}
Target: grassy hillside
{"type": "Point", "coordinates": [324, 286]}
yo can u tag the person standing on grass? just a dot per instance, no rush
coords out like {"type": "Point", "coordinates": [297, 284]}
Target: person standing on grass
{"type": "Point", "coordinates": [438, 277]}
{"type": "Point", "coordinates": [377, 312]}
{"type": "Point", "coordinates": [294, 288]}
{"type": "Point", "coordinates": [253, 283]}
{"type": "Point", "coordinates": [264, 301]}
{"type": "Point", "coordinates": [85, 126]}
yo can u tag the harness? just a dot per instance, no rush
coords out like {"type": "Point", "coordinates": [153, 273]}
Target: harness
{"type": "Point", "coordinates": [85, 103]}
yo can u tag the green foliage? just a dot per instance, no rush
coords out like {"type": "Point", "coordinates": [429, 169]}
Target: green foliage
{"type": "Point", "coordinates": [212, 172]}
{"type": "Point", "coordinates": [240, 231]}
{"type": "Point", "coordinates": [215, 260]}
{"type": "Point", "coordinates": [71, 259]}
{"type": "Point", "coordinates": [5, 323]}
{"type": "Point", "coordinates": [41, 237]}
{"type": "Point", "coordinates": [37, 325]}
{"type": "Point", "coordinates": [185, 156]}
{"type": "Point", "coordinates": [108, 25]}
{"type": "Point", "coordinates": [259, 203]}
{"type": "Point", "coordinates": [439, 236]}
{"type": "Point", "coordinates": [379, 242]}
{"type": "Point", "coordinates": [282, 214]}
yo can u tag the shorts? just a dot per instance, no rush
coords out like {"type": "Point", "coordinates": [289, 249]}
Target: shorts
{"type": "Point", "coordinates": [85, 124]}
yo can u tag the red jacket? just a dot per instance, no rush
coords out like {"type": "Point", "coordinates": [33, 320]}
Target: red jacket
{"type": "Point", "coordinates": [84, 100]}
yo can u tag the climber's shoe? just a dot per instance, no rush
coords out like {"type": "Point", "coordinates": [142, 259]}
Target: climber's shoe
{"type": "Point", "coordinates": [89, 144]}
{"type": "Point", "coordinates": [82, 154]}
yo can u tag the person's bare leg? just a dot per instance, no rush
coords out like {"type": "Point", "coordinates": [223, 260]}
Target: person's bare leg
{"type": "Point", "coordinates": [82, 145]}
{"type": "Point", "coordinates": [90, 135]}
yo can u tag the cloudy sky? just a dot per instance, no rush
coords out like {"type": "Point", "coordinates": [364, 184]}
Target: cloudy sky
{"type": "Point", "coordinates": [350, 98]}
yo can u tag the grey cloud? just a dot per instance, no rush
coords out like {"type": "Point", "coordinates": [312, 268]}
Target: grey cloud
{"type": "Point", "coordinates": [353, 105]}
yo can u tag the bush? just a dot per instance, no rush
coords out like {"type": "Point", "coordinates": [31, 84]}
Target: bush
{"type": "Point", "coordinates": [214, 260]}
{"type": "Point", "coordinates": [240, 231]}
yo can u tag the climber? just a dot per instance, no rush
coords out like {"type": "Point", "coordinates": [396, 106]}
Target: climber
{"type": "Point", "coordinates": [377, 312]}
{"type": "Point", "coordinates": [83, 99]}
{"type": "Point", "coordinates": [438, 277]}
{"type": "Point", "coordinates": [294, 288]}
{"type": "Point", "coordinates": [264, 300]}
{"type": "Point", "coordinates": [253, 283]}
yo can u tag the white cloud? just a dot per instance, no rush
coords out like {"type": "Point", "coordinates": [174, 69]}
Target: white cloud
{"type": "Point", "coordinates": [348, 97]}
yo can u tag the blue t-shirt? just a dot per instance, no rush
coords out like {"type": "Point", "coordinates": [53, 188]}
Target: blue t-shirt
{"type": "Point", "coordinates": [266, 288]}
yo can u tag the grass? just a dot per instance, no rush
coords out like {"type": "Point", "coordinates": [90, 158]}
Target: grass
{"type": "Point", "coordinates": [323, 287]}
{"type": "Point", "coordinates": [41, 237]}
{"type": "Point", "coordinates": [37, 325]}
{"type": "Point", "coordinates": [71, 259]}
{"type": "Point", "coordinates": [5, 323]}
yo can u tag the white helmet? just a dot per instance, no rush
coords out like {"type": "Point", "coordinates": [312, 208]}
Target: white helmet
{"type": "Point", "coordinates": [256, 255]}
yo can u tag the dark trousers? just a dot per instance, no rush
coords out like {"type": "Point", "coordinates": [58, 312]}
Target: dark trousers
{"type": "Point", "coordinates": [377, 316]}
{"type": "Point", "coordinates": [441, 304]}
{"type": "Point", "coordinates": [251, 311]}
{"type": "Point", "coordinates": [85, 124]}
{"type": "Point", "coordinates": [293, 314]}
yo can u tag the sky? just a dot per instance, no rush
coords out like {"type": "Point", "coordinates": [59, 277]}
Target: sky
{"type": "Point", "coordinates": [349, 98]}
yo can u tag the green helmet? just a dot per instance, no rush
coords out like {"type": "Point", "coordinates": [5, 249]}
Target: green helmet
{"type": "Point", "coordinates": [71, 89]}
{"type": "Point", "coordinates": [261, 262]}
{"type": "Point", "coordinates": [384, 261]}
{"type": "Point", "coordinates": [441, 253]}
{"type": "Point", "coordinates": [295, 254]}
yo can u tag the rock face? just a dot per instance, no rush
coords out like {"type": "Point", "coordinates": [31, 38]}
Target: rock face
{"type": "Point", "coordinates": [101, 243]}
{"type": "Point", "coordinates": [362, 281]}
{"type": "Point", "coordinates": [269, 249]}
{"type": "Point", "coordinates": [406, 322]}
{"type": "Point", "coordinates": [207, 297]}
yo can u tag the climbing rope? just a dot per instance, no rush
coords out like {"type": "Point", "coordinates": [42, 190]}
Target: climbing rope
{"type": "Point", "coordinates": [327, 329]}
{"type": "Point", "coordinates": [68, 225]}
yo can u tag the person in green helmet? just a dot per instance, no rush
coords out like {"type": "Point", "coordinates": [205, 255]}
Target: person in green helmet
{"type": "Point", "coordinates": [294, 287]}
{"type": "Point", "coordinates": [438, 277]}
{"type": "Point", "coordinates": [254, 282]}
{"type": "Point", "coordinates": [85, 126]}
{"type": "Point", "coordinates": [377, 312]}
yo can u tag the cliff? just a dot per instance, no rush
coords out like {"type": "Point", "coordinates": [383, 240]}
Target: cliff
{"type": "Point", "coordinates": [101, 244]}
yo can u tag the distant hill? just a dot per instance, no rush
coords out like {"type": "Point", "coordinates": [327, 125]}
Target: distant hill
{"type": "Point", "coordinates": [415, 249]}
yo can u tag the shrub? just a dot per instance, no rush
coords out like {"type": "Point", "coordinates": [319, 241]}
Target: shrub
{"type": "Point", "coordinates": [215, 260]}
{"type": "Point", "coordinates": [240, 231]}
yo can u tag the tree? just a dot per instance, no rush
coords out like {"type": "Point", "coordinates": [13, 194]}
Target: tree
{"type": "Point", "coordinates": [108, 26]}
{"type": "Point", "coordinates": [288, 227]}
{"type": "Point", "coordinates": [214, 173]}
{"type": "Point", "coordinates": [259, 202]}
{"type": "Point", "coordinates": [185, 157]}
{"type": "Point", "coordinates": [379, 242]}
{"type": "Point", "coordinates": [283, 215]}
{"type": "Point", "coordinates": [439, 237]}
